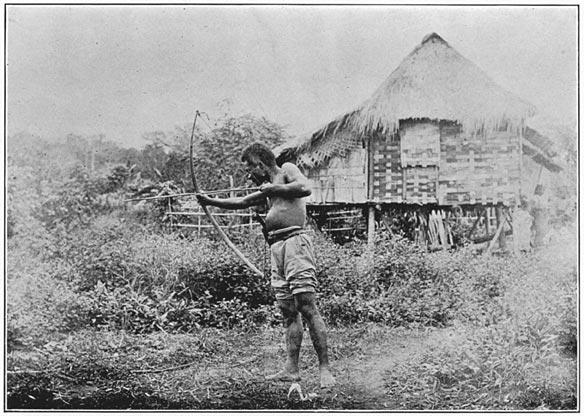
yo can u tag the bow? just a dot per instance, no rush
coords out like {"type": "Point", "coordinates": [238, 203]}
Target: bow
{"type": "Point", "coordinates": [224, 237]}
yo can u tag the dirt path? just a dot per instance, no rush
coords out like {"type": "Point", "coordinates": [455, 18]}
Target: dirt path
{"type": "Point", "coordinates": [222, 370]}
{"type": "Point", "coordinates": [366, 376]}
{"type": "Point", "coordinates": [360, 362]}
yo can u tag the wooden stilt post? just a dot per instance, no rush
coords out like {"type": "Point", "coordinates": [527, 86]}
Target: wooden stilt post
{"type": "Point", "coordinates": [474, 225]}
{"type": "Point", "coordinates": [371, 226]}
{"type": "Point", "coordinates": [495, 238]}
{"type": "Point", "coordinates": [500, 210]}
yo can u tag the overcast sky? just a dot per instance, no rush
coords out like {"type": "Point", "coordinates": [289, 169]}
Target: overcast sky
{"type": "Point", "coordinates": [126, 70]}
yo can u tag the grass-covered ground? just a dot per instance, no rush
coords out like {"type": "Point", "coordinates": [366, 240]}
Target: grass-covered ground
{"type": "Point", "coordinates": [376, 368]}
{"type": "Point", "coordinates": [116, 317]}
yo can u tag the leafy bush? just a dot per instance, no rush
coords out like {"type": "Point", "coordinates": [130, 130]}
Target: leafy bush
{"type": "Point", "coordinates": [399, 284]}
{"type": "Point", "coordinates": [37, 302]}
{"type": "Point", "coordinates": [130, 278]}
{"type": "Point", "coordinates": [127, 276]}
{"type": "Point", "coordinates": [24, 194]}
{"type": "Point", "coordinates": [81, 198]}
{"type": "Point", "coordinates": [338, 267]}
{"type": "Point", "coordinates": [508, 352]}
{"type": "Point", "coordinates": [403, 285]}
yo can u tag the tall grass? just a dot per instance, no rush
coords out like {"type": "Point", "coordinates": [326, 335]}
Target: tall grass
{"type": "Point", "coordinates": [516, 352]}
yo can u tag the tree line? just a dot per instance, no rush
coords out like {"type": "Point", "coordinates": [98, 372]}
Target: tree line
{"type": "Point", "coordinates": [64, 182]}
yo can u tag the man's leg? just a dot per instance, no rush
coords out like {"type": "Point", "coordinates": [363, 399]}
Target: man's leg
{"type": "Point", "coordinates": [294, 331]}
{"type": "Point", "coordinates": [306, 304]}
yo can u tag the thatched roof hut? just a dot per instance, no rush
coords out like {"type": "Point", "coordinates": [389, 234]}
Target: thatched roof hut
{"type": "Point", "coordinates": [433, 82]}
{"type": "Point", "coordinates": [438, 130]}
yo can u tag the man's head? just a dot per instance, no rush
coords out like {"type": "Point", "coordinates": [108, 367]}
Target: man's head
{"type": "Point", "coordinates": [259, 162]}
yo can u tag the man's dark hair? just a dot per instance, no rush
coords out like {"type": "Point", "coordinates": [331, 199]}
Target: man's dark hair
{"type": "Point", "coordinates": [262, 152]}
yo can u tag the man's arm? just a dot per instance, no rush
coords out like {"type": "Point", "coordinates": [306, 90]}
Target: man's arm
{"type": "Point", "coordinates": [240, 202]}
{"type": "Point", "coordinates": [296, 184]}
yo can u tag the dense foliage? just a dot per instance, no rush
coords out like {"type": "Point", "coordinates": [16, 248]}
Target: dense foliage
{"type": "Point", "coordinates": [119, 276]}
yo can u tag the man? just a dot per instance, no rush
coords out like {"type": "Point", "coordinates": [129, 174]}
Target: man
{"type": "Point", "coordinates": [292, 256]}
{"type": "Point", "coordinates": [539, 211]}
{"type": "Point", "coordinates": [522, 222]}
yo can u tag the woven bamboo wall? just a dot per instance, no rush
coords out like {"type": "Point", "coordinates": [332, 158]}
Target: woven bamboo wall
{"type": "Point", "coordinates": [387, 170]}
{"type": "Point", "coordinates": [341, 180]}
{"type": "Point", "coordinates": [412, 178]}
{"type": "Point", "coordinates": [480, 169]}
{"type": "Point", "coordinates": [471, 169]}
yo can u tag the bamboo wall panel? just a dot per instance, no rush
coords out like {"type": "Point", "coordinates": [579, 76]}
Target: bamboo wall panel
{"type": "Point", "coordinates": [411, 184]}
{"type": "Point", "coordinates": [478, 169]}
{"type": "Point", "coordinates": [421, 184]}
{"type": "Point", "coordinates": [340, 180]}
{"type": "Point", "coordinates": [388, 181]}
{"type": "Point", "coordinates": [472, 169]}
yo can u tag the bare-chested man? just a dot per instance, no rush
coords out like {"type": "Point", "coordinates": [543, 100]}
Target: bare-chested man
{"type": "Point", "coordinates": [292, 256]}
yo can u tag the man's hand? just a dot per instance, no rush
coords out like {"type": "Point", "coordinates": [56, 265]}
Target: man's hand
{"type": "Point", "coordinates": [204, 199]}
{"type": "Point", "coordinates": [267, 189]}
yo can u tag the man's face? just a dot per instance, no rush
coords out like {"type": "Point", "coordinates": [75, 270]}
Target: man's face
{"type": "Point", "coordinates": [257, 171]}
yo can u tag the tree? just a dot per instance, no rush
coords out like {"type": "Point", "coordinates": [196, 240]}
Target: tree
{"type": "Point", "coordinates": [218, 145]}
{"type": "Point", "coordinates": [154, 159]}
{"type": "Point", "coordinates": [218, 154]}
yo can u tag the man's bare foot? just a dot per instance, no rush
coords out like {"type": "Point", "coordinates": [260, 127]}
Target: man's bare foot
{"type": "Point", "coordinates": [326, 378]}
{"type": "Point", "coordinates": [284, 375]}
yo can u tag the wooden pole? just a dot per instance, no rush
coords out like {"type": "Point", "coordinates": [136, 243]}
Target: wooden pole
{"type": "Point", "coordinates": [487, 219]}
{"type": "Point", "coordinates": [495, 238]}
{"type": "Point", "coordinates": [442, 229]}
{"type": "Point", "coordinates": [404, 178]}
{"type": "Point", "coordinates": [371, 226]}
{"type": "Point", "coordinates": [520, 164]}
{"type": "Point", "coordinates": [474, 226]}
{"type": "Point", "coordinates": [500, 210]}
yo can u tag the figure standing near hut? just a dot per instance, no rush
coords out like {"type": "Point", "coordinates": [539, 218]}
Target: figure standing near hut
{"type": "Point", "coordinates": [539, 210]}
{"type": "Point", "coordinates": [522, 223]}
{"type": "Point", "coordinates": [292, 256]}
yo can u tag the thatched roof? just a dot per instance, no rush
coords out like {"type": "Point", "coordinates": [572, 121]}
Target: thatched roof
{"type": "Point", "coordinates": [433, 82]}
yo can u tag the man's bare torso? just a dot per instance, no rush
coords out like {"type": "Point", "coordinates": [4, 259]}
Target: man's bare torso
{"type": "Point", "coordinates": [284, 212]}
